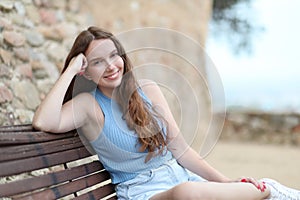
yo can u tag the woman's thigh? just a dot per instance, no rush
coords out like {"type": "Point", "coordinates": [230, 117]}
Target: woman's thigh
{"type": "Point", "coordinates": [211, 190]}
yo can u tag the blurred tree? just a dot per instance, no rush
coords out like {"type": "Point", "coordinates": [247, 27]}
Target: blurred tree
{"type": "Point", "coordinates": [232, 19]}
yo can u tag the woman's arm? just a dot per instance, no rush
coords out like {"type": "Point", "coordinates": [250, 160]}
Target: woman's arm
{"type": "Point", "coordinates": [191, 160]}
{"type": "Point", "coordinates": [51, 115]}
{"type": "Point", "coordinates": [184, 154]}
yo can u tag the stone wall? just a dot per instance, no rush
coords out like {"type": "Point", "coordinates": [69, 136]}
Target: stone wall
{"type": "Point", "coordinates": [36, 35]}
{"type": "Point", "coordinates": [264, 128]}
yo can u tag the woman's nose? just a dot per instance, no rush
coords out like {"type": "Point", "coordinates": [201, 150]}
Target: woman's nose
{"type": "Point", "coordinates": [109, 64]}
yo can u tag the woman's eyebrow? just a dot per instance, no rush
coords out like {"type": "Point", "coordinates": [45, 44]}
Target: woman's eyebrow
{"type": "Point", "coordinates": [114, 51]}
{"type": "Point", "coordinates": [102, 58]}
{"type": "Point", "coordinates": [96, 58]}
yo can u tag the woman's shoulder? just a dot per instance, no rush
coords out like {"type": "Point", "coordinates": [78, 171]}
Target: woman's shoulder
{"type": "Point", "coordinates": [84, 96]}
{"type": "Point", "coordinates": [85, 100]}
{"type": "Point", "coordinates": [151, 90]}
{"type": "Point", "coordinates": [148, 86]}
{"type": "Point", "coordinates": [90, 107]}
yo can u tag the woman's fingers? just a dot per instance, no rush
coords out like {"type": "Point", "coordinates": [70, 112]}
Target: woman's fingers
{"type": "Point", "coordinates": [258, 184]}
{"type": "Point", "coordinates": [82, 61]}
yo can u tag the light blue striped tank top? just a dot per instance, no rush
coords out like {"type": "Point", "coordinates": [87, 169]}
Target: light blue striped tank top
{"type": "Point", "coordinates": [117, 146]}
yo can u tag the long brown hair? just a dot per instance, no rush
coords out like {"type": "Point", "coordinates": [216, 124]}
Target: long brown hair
{"type": "Point", "coordinates": [138, 114]}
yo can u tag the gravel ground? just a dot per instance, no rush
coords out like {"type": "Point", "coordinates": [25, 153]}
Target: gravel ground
{"type": "Point", "coordinates": [258, 160]}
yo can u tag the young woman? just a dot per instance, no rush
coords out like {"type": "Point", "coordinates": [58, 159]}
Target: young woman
{"type": "Point", "coordinates": [130, 127]}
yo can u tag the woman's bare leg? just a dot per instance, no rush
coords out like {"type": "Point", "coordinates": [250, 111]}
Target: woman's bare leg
{"type": "Point", "coordinates": [215, 191]}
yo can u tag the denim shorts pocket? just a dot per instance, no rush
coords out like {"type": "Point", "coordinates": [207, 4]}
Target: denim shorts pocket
{"type": "Point", "coordinates": [136, 189]}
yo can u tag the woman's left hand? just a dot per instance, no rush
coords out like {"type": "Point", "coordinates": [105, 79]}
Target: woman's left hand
{"type": "Point", "coordinates": [258, 184]}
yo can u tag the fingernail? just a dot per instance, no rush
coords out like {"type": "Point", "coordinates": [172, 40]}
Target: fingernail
{"type": "Point", "coordinates": [258, 187]}
{"type": "Point", "coordinates": [244, 180]}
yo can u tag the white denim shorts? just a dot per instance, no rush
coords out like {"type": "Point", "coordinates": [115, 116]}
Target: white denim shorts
{"type": "Point", "coordinates": [149, 183]}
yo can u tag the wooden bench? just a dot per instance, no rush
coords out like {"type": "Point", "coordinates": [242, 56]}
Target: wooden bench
{"type": "Point", "coordinates": [26, 156]}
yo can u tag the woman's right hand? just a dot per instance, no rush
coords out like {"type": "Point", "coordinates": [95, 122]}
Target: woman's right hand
{"type": "Point", "coordinates": [78, 64]}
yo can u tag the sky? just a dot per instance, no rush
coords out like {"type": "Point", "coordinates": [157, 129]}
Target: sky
{"type": "Point", "coordinates": [268, 79]}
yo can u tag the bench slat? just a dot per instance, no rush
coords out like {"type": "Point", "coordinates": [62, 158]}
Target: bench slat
{"type": "Point", "coordinates": [22, 127]}
{"type": "Point", "coordinates": [68, 188]}
{"type": "Point", "coordinates": [31, 150]}
{"type": "Point", "coordinates": [47, 180]}
{"type": "Point", "coordinates": [26, 165]}
{"type": "Point", "coordinates": [24, 150]}
{"type": "Point", "coordinates": [13, 138]}
{"type": "Point", "coordinates": [98, 193]}
{"type": "Point", "coordinates": [113, 198]}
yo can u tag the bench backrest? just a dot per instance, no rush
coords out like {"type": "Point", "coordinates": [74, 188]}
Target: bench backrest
{"type": "Point", "coordinates": [39, 165]}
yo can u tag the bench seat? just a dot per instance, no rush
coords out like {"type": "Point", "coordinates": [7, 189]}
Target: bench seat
{"type": "Point", "coordinates": [39, 165]}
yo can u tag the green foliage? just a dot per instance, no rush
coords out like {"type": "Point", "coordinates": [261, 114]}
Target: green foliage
{"type": "Point", "coordinates": [232, 19]}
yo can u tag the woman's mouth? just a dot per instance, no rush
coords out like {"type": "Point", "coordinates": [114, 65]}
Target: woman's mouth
{"type": "Point", "coordinates": [112, 76]}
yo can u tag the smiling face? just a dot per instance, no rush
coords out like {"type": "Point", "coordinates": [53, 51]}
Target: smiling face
{"type": "Point", "coordinates": [105, 66]}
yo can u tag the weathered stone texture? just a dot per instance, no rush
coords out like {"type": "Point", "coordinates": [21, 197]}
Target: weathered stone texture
{"type": "Point", "coordinates": [35, 36]}
{"type": "Point", "coordinates": [275, 128]}
{"type": "Point", "coordinates": [5, 94]}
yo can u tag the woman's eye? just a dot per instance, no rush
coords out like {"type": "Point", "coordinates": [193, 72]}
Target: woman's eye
{"type": "Point", "coordinates": [97, 62]}
{"type": "Point", "coordinates": [114, 54]}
